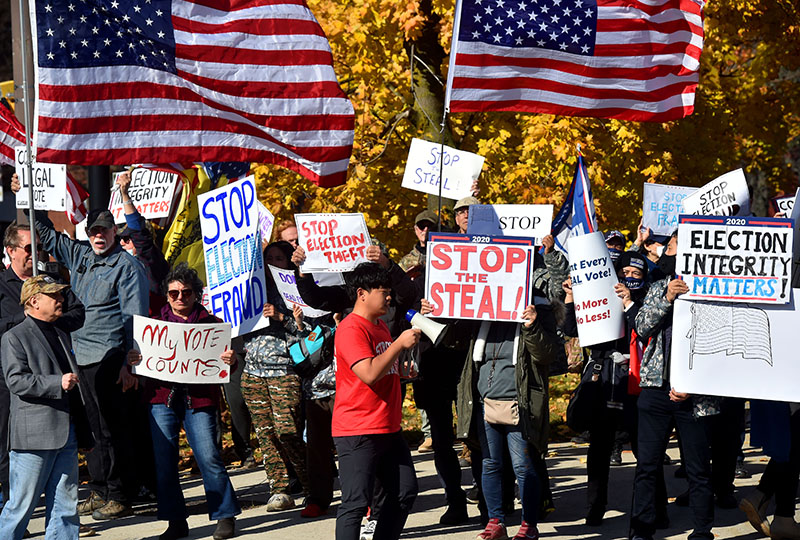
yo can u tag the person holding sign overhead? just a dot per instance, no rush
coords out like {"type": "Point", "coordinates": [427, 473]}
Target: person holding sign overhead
{"type": "Point", "coordinates": [196, 406]}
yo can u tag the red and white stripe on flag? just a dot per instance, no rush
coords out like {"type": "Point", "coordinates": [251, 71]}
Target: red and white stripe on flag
{"type": "Point", "coordinates": [76, 198]}
{"type": "Point", "coordinates": [12, 134]}
{"type": "Point", "coordinates": [638, 59]}
{"type": "Point", "coordinates": [189, 81]}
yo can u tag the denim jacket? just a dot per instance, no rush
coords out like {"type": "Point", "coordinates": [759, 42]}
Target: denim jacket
{"type": "Point", "coordinates": [112, 287]}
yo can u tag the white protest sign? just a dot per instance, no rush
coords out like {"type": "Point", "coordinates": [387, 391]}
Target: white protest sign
{"type": "Point", "coordinates": [265, 222]}
{"type": "Point", "coordinates": [152, 193]}
{"type": "Point", "coordinates": [735, 259]}
{"type": "Point", "coordinates": [287, 287]}
{"type": "Point", "coordinates": [725, 196]}
{"type": "Point", "coordinates": [332, 242]}
{"type": "Point", "coordinates": [525, 220]}
{"type": "Point", "coordinates": [459, 169]}
{"type": "Point", "coordinates": [180, 352]}
{"type": "Point", "coordinates": [662, 206]}
{"type": "Point", "coordinates": [471, 277]}
{"type": "Point", "coordinates": [233, 256]}
{"type": "Point", "coordinates": [599, 311]}
{"type": "Point", "coordinates": [737, 350]}
{"type": "Point", "coordinates": [785, 205]}
{"type": "Point", "coordinates": [328, 279]}
{"type": "Point", "coordinates": [49, 183]}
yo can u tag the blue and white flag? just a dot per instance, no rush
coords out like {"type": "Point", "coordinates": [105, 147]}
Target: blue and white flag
{"type": "Point", "coordinates": [576, 216]}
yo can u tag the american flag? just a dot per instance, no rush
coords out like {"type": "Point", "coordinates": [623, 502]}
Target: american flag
{"type": "Point", "coordinates": [130, 81]}
{"type": "Point", "coordinates": [627, 59]}
{"type": "Point", "coordinates": [577, 215]}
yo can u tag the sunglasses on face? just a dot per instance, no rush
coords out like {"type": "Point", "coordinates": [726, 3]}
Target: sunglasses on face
{"type": "Point", "coordinates": [125, 239]}
{"type": "Point", "coordinates": [39, 247]}
{"type": "Point", "coordinates": [184, 293]}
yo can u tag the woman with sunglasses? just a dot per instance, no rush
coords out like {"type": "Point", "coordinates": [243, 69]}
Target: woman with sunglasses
{"type": "Point", "coordinates": [196, 406]}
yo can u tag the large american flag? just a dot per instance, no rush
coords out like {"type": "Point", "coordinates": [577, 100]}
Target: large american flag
{"type": "Point", "coordinates": [159, 81]}
{"type": "Point", "coordinates": [627, 59]}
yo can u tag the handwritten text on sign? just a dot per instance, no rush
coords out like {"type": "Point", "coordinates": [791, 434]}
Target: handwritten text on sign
{"type": "Point", "coordinates": [736, 259]}
{"type": "Point", "coordinates": [182, 353]}
{"type": "Point", "coordinates": [426, 161]}
{"type": "Point", "coordinates": [479, 277]}
{"type": "Point", "coordinates": [233, 257]}
{"type": "Point", "coordinates": [598, 309]}
{"type": "Point", "coordinates": [49, 183]}
{"type": "Point", "coordinates": [662, 206]}
{"type": "Point", "coordinates": [724, 196]}
{"type": "Point", "coordinates": [152, 192]}
{"type": "Point", "coordinates": [332, 242]}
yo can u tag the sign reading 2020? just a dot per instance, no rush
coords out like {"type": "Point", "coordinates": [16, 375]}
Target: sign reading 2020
{"type": "Point", "coordinates": [232, 250]}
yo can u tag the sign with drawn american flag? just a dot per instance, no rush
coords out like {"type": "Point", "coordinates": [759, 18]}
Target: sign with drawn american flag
{"type": "Point", "coordinates": [159, 81]}
{"type": "Point", "coordinates": [627, 59]}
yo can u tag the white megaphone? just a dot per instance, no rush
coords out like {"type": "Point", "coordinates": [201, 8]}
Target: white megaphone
{"type": "Point", "coordinates": [432, 329]}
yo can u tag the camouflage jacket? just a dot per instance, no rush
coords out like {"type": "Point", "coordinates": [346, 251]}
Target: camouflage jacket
{"type": "Point", "coordinates": [549, 277]}
{"type": "Point", "coordinates": [415, 257]}
{"type": "Point", "coordinates": [653, 318]}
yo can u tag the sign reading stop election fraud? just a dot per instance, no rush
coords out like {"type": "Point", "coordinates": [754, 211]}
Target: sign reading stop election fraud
{"type": "Point", "coordinates": [527, 220]}
{"type": "Point", "coordinates": [49, 183]}
{"type": "Point", "coordinates": [232, 251]}
{"type": "Point", "coordinates": [479, 277]}
{"type": "Point", "coordinates": [662, 206]}
{"type": "Point", "coordinates": [736, 259]}
{"type": "Point", "coordinates": [151, 191]}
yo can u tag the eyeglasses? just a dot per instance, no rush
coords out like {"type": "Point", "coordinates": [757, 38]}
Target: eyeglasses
{"type": "Point", "coordinates": [184, 293]}
{"type": "Point", "coordinates": [39, 247]}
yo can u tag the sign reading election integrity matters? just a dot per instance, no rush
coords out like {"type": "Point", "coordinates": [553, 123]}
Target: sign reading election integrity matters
{"type": "Point", "coordinates": [598, 310]}
{"type": "Point", "coordinates": [736, 259]}
{"type": "Point", "coordinates": [182, 353]}
{"type": "Point", "coordinates": [738, 350]}
{"type": "Point", "coordinates": [152, 192]}
{"type": "Point", "coordinates": [725, 196]}
{"type": "Point", "coordinates": [784, 204]}
{"type": "Point", "coordinates": [332, 242]}
{"type": "Point", "coordinates": [49, 183]}
{"type": "Point", "coordinates": [662, 206]}
{"type": "Point", "coordinates": [526, 220]}
{"type": "Point", "coordinates": [459, 169]}
{"type": "Point", "coordinates": [478, 277]}
{"type": "Point", "coordinates": [234, 261]}
{"type": "Point", "coordinates": [287, 287]}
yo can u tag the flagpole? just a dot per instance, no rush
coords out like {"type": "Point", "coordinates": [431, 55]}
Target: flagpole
{"type": "Point", "coordinates": [28, 157]}
{"type": "Point", "coordinates": [441, 168]}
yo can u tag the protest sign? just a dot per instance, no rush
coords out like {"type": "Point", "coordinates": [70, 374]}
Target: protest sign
{"type": "Point", "coordinates": [180, 352]}
{"type": "Point", "coordinates": [478, 277]}
{"type": "Point", "coordinates": [151, 191]}
{"type": "Point", "coordinates": [265, 222]}
{"type": "Point", "coordinates": [233, 256]}
{"type": "Point", "coordinates": [725, 196]}
{"type": "Point", "coordinates": [742, 259]}
{"type": "Point", "coordinates": [598, 310]}
{"type": "Point", "coordinates": [332, 242]}
{"type": "Point", "coordinates": [737, 350]}
{"type": "Point", "coordinates": [784, 205]}
{"type": "Point", "coordinates": [459, 169]}
{"type": "Point", "coordinates": [49, 183]}
{"type": "Point", "coordinates": [524, 220]}
{"type": "Point", "coordinates": [662, 206]}
{"type": "Point", "coordinates": [287, 287]}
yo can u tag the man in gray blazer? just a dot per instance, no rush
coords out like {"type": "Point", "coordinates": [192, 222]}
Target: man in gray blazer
{"type": "Point", "coordinates": [40, 373]}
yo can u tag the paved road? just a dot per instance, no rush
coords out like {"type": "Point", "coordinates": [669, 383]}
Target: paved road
{"type": "Point", "coordinates": [567, 464]}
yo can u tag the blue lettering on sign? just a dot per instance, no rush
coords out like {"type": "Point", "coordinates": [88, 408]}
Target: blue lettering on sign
{"type": "Point", "coordinates": [734, 287]}
{"type": "Point", "coordinates": [229, 260]}
{"type": "Point", "coordinates": [242, 303]}
{"type": "Point", "coordinates": [237, 206]}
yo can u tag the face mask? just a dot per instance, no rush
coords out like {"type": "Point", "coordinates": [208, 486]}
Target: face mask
{"type": "Point", "coordinates": [633, 283]}
{"type": "Point", "coordinates": [666, 263]}
{"type": "Point", "coordinates": [660, 250]}
{"type": "Point", "coordinates": [615, 253]}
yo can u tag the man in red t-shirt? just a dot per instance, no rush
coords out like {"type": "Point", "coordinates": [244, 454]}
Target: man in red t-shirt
{"type": "Point", "coordinates": [367, 410]}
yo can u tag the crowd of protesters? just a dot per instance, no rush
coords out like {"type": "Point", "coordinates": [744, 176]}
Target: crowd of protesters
{"type": "Point", "coordinates": [68, 385]}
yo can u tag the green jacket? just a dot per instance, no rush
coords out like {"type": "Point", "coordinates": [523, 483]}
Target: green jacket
{"type": "Point", "coordinates": [539, 344]}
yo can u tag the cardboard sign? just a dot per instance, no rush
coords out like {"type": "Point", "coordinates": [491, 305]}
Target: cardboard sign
{"type": "Point", "coordinates": [233, 256]}
{"type": "Point", "coordinates": [525, 220]}
{"type": "Point", "coordinates": [478, 277]}
{"type": "Point", "coordinates": [662, 206]}
{"type": "Point", "coordinates": [49, 183]}
{"type": "Point", "coordinates": [725, 196]}
{"type": "Point", "coordinates": [784, 204]}
{"type": "Point", "coordinates": [599, 311]}
{"type": "Point", "coordinates": [180, 352]}
{"type": "Point", "coordinates": [287, 287]}
{"type": "Point", "coordinates": [459, 169]}
{"type": "Point", "coordinates": [736, 259]}
{"type": "Point", "coordinates": [738, 350]}
{"type": "Point", "coordinates": [332, 242]}
{"type": "Point", "coordinates": [265, 222]}
{"type": "Point", "coordinates": [152, 193]}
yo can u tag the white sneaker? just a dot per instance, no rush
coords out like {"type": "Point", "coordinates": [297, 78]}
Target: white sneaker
{"type": "Point", "coordinates": [368, 529]}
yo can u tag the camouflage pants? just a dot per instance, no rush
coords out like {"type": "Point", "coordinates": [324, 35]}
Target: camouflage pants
{"type": "Point", "coordinates": [274, 404]}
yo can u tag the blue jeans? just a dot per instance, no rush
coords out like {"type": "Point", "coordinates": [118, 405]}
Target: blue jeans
{"type": "Point", "coordinates": [201, 429]}
{"type": "Point", "coordinates": [497, 436]}
{"type": "Point", "coordinates": [52, 472]}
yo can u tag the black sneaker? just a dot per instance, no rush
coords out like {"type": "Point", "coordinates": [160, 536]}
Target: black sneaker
{"type": "Point", "coordinates": [582, 438]}
{"type": "Point", "coordinates": [682, 499]}
{"type": "Point", "coordinates": [741, 470]}
{"type": "Point", "coordinates": [177, 529]}
{"type": "Point", "coordinates": [595, 517]}
{"type": "Point", "coordinates": [472, 495]}
{"type": "Point", "coordinates": [455, 514]}
{"type": "Point", "coordinates": [616, 456]}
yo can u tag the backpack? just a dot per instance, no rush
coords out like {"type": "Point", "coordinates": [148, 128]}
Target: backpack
{"type": "Point", "coordinates": [313, 353]}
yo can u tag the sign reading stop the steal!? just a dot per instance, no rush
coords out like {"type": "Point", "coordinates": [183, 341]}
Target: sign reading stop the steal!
{"type": "Point", "coordinates": [479, 277]}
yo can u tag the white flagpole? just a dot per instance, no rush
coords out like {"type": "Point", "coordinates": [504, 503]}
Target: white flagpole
{"type": "Point", "coordinates": [28, 157]}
